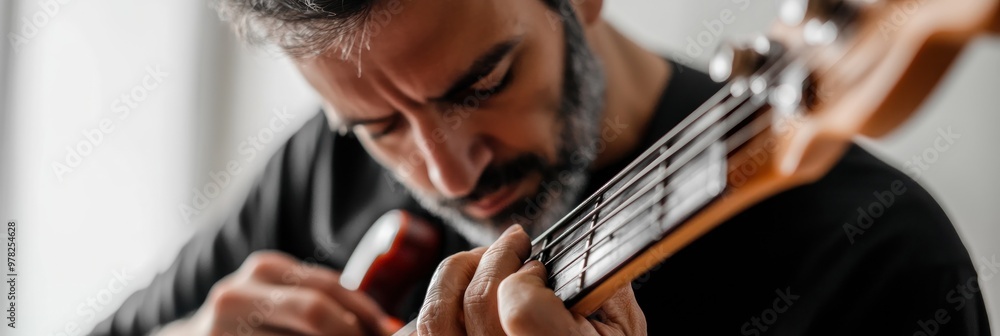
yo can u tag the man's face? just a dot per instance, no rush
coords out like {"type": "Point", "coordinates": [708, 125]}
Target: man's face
{"type": "Point", "coordinates": [471, 106]}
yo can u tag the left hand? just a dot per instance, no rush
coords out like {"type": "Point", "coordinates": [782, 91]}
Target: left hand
{"type": "Point", "coordinates": [492, 292]}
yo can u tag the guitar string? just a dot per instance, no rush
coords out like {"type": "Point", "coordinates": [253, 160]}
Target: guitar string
{"type": "Point", "coordinates": [811, 55]}
{"type": "Point", "coordinates": [694, 135]}
{"type": "Point", "coordinates": [684, 127]}
{"type": "Point", "coordinates": [719, 96]}
{"type": "Point", "coordinates": [689, 135]}
{"type": "Point", "coordinates": [648, 168]}
{"type": "Point", "coordinates": [716, 134]}
{"type": "Point", "coordinates": [761, 123]}
{"type": "Point", "coordinates": [705, 108]}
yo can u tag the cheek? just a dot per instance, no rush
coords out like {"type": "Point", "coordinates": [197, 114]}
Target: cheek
{"type": "Point", "coordinates": [524, 127]}
{"type": "Point", "coordinates": [407, 165]}
{"type": "Point", "coordinates": [528, 117]}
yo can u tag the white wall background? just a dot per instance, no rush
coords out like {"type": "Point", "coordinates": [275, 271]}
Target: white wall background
{"type": "Point", "coordinates": [118, 209]}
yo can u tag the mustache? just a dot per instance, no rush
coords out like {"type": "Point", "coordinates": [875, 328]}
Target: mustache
{"type": "Point", "coordinates": [497, 176]}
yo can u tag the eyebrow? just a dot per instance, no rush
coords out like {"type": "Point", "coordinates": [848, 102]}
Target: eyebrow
{"type": "Point", "coordinates": [481, 67]}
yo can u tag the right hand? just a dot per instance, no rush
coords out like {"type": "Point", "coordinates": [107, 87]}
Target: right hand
{"type": "Point", "coordinates": [274, 294]}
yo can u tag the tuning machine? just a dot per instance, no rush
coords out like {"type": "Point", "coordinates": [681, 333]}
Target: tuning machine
{"type": "Point", "coordinates": [821, 20]}
{"type": "Point", "coordinates": [740, 59]}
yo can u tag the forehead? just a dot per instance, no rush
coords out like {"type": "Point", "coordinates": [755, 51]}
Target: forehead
{"type": "Point", "coordinates": [417, 49]}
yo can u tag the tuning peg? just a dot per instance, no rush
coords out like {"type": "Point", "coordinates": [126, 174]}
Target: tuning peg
{"type": "Point", "coordinates": [735, 59]}
{"type": "Point", "coordinates": [795, 12]}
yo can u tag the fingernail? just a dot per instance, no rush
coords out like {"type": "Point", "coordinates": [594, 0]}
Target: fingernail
{"type": "Point", "coordinates": [531, 265]}
{"type": "Point", "coordinates": [392, 324]}
{"type": "Point", "coordinates": [511, 229]}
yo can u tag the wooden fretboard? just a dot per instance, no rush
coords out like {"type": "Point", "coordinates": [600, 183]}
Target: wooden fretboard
{"type": "Point", "coordinates": [671, 181]}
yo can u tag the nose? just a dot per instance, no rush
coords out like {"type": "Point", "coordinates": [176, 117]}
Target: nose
{"type": "Point", "coordinates": [454, 158]}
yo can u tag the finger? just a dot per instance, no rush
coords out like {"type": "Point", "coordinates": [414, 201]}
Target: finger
{"type": "Point", "coordinates": [620, 312]}
{"type": "Point", "coordinates": [528, 307]}
{"type": "Point", "coordinates": [254, 307]}
{"type": "Point", "coordinates": [276, 268]}
{"type": "Point", "coordinates": [503, 258]}
{"type": "Point", "coordinates": [441, 313]}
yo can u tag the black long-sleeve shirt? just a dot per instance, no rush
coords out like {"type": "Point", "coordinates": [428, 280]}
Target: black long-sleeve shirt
{"type": "Point", "coordinates": [863, 251]}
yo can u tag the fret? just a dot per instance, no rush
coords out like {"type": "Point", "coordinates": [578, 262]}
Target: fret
{"type": "Point", "coordinates": [725, 96]}
{"type": "Point", "coordinates": [655, 206]}
{"type": "Point", "coordinates": [613, 215]}
{"type": "Point", "coordinates": [661, 189]}
{"type": "Point", "coordinates": [701, 180]}
{"type": "Point", "coordinates": [641, 168]}
{"type": "Point", "coordinates": [665, 185]}
{"type": "Point", "coordinates": [618, 206]}
{"type": "Point", "coordinates": [590, 241]}
{"type": "Point", "coordinates": [683, 172]}
{"type": "Point", "coordinates": [542, 255]}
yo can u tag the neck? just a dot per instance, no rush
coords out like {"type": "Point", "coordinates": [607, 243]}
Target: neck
{"type": "Point", "coordinates": [636, 79]}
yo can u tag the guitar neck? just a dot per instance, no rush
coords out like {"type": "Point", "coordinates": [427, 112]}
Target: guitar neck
{"type": "Point", "coordinates": [833, 66]}
{"type": "Point", "coordinates": [610, 238]}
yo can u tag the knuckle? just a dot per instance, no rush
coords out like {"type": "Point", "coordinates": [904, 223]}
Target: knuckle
{"type": "Point", "coordinates": [477, 295]}
{"type": "Point", "coordinates": [450, 262]}
{"type": "Point", "coordinates": [314, 311]}
{"type": "Point", "coordinates": [500, 248]}
{"type": "Point", "coordinates": [257, 257]}
{"type": "Point", "coordinates": [224, 297]}
{"type": "Point", "coordinates": [458, 261]}
{"type": "Point", "coordinates": [431, 308]}
{"type": "Point", "coordinates": [260, 263]}
{"type": "Point", "coordinates": [429, 313]}
{"type": "Point", "coordinates": [426, 329]}
{"type": "Point", "coordinates": [518, 316]}
{"type": "Point", "coordinates": [351, 321]}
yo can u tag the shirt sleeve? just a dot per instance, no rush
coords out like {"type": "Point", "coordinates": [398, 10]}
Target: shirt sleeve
{"type": "Point", "coordinates": [214, 253]}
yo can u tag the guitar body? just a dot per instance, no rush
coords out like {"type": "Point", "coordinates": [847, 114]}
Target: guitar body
{"type": "Point", "coordinates": [398, 249]}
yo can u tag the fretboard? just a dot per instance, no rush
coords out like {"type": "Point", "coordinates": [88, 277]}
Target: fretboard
{"type": "Point", "coordinates": [671, 181]}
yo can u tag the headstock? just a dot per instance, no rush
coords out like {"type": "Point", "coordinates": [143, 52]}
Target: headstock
{"type": "Point", "coordinates": [852, 67]}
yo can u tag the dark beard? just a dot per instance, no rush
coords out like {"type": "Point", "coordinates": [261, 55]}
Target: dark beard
{"type": "Point", "coordinates": [563, 181]}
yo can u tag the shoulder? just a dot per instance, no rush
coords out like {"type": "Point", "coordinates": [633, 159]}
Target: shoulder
{"type": "Point", "coordinates": [301, 150]}
{"type": "Point", "coordinates": [875, 203]}
{"type": "Point", "coordinates": [864, 218]}
{"type": "Point", "coordinates": [288, 171]}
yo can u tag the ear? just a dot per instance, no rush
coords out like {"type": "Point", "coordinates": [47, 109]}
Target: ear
{"type": "Point", "coordinates": [588, 10]}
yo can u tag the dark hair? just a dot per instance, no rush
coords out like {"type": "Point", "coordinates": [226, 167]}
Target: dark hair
{"type": "Point", "coordinates": [299, 27]}
{"type": "Point", "coordinates": [303, 28]}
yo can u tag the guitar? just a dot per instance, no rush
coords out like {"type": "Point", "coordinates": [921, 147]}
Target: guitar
{"type": "Point", "coordinates": [828, 71]}
{"type": "Point", "coordinates": [398, 248]}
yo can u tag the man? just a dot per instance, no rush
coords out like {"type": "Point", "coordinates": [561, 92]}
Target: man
{"type": "Point", "coordinates": [471, 105]}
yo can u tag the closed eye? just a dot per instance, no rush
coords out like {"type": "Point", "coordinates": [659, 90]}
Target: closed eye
{"type": "Point", "coordinates": [483, 90]}
{"type": "Point", "coordinates": [479, 77]}
{"type": "Point", "coordinates": [499, 86]}
{"type": "Point", "coordinates": [383, 130]}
